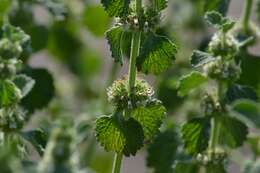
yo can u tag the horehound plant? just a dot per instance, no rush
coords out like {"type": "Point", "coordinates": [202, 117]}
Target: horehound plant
{"type": "Point", "coordinates": [209, 138]}
{"type": "Point", "coordinates": [137, 114]}
{"type": "Point", "coordinates": [13, 87]}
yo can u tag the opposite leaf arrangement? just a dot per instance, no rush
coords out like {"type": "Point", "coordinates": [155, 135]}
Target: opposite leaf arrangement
{"type": "Point", "coordinates": [223, 81]}
{"type": "Point", "coordinates": [137, 115]}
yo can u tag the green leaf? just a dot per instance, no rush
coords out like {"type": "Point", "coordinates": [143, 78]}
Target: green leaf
{"type": "Point", "coordinates": [119, 135]}
{"type": "Point", "coordinates": [186, 167]}
{"type": "Point", "coordinates": [42, 92]}
{"type": "Point", "coordinates": [217, 5]}
{"type": "Point", "coordinates": [162, 151]}
{"type": "Point", "coordinates": [24, 83]}
{"type": "Point", "coordinates": [114, 37]}
{"type": "Point", "coordinates": [195, 134]}
{"type": "Point", "coordinates": [218, 21]}
{"type": "Point", "coordinates": [150, 116]}
{"type": "Point", "coordinates": [250, 68]}
{"type": "Point", "coordinates": [156, 55]}
{"type": "Point", "coordinates": [160, 4]}
{"type": "Point", "coordinates": [236, 92]}
{"type": "Point", "coordinates": [101, 22]}
{"type": "Point", "coordinates": [249, 110]}
{"type": "Point", "coordinates": [200, 58]}
{"type": "Point", "coordinates": [233, 132]}
{"type": "Point", "coordinates": [116, 8]}
{"type": "Point", "coordinates": [38, 138]}
{"type": "Point", "coordinates": [9, 93]}
{"type": "Point", "coordinates": [189, 82]}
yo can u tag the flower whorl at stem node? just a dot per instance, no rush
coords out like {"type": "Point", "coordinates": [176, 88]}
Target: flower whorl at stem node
{"type": "Point", "coordinates": [118, 93]}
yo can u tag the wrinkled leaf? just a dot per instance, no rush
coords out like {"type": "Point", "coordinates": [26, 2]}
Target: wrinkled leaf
{"type": "Point", "coordinates": [119, 135]}
{"type": "Point", "coordinates": [195, 134]}
{"type": "Point", "coordinates": [150, 117]}
{"type": "Point", "coordinates": [189, 82]}
{"type": "Point", "coordinates": [233, 132]}
{"type": "Point", "coordinates": [114, 37]}
{"type": "Point", "coordinates": [156, 55]}
{"type": "Point", "coordinates": [116, 8]}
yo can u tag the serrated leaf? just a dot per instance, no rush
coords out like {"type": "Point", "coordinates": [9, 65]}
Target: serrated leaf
{"type": "Point", "coordinates": [24, 83]}
{"type": "Point", "coordinates": [233, 132]}
{"type": "Point", "coordinates": [249, 110]}
{"type": "Point", "coordinates": [116, 8]}
{"type": "Point", "coordinates": [9, 93]}
{"type": "Point", "coordinates": [190, 81]}
{"type": "Point", "coordinates": [159, 5]}
{"type": "Point", "coordinates": [156, 55]}
{"type": "Point", "coordinates": [42, 92]}
{"type": "Point", "coordinates": [217, 5]}
{"type": "Point", "coordinates": [162, 151]}
{"type": "Point", "coordinates": [195, 134]}
{"type": "Point", "coordinates": [200, 58]}
{"type": "Point", "coordinates": [37, 138]}
{"type": "Point", "coordinates": [218, 21]}
{"type": "Point", "coordinates": [150, 117]}
{"type": "Point", "coordinates": [114, 37]}
{"type": "Point", "coordinates": [236, 92]}
{"type": "Point", "coordinates": [118, 135]}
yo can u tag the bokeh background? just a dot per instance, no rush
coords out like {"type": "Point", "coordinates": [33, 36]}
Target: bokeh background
{"type": "Point", "coordinates": [71, 44]}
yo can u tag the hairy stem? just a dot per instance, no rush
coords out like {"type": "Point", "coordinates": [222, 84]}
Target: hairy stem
{"type": "Point", "coordinates": [215, 124]}
{"type": "Point", "coordinates": [215, 127]}
{"type": "Point", "coordinates": [246, 14]}
{"type": "Point", "coordinates": [135, 45]}
{"type": "Point", "coordinates": [117, 163]}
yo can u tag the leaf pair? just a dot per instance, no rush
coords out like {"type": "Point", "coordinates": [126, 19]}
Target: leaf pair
{"type": "Point", "coordinates": [195, 133]}
{"type": "Point", "coordinates": [218, 21]}
{"type": "Point", "coordinates": [119, 135]}
{"type": "Point", "coordinates": [156, 54]}
{"type": "Point", "coordinates": [116, 133]}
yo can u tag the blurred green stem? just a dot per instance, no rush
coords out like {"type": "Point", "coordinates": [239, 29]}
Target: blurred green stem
{"type": "Point", "coordinates": [246, 14]}
{"type": "Point", "coordinates": [117, 163]}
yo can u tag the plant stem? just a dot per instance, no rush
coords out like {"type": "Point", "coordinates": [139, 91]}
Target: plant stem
{"type": "Point", "coordinates": [214, 134]}
{"type": "Point", "coordinates": [215, 124]}
{"type": "Point", "coordinates": [135, 45]}
{"type": "Point", "coordinates": [117, 163]}
{"type": "Point", "coordinates": [246, 14]}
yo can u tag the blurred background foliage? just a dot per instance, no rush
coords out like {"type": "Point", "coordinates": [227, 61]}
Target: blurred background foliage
{"type": "Point", "coordinates": [71, 63]}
